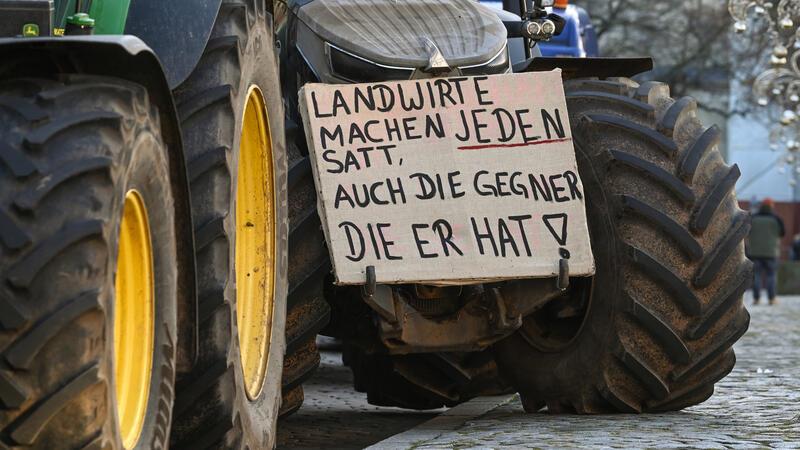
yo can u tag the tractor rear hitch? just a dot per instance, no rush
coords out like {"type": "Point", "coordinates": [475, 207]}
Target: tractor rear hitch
{"type": "Point", "coordinates": [487, 314]}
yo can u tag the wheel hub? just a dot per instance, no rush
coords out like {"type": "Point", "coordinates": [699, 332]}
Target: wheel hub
{"type": "Point", "coordinates": [255, 243]}
{"type": "Point", "coordinates": [133, 318]}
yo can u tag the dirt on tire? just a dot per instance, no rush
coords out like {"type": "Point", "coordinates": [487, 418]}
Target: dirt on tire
{"type": "Point", "coordinates": [70, 150]}
{"type": "Point", "coordinates": [213, 409]}
{"type": "Point", "coordinates": [659, 320]}
{"type": "Point", "coordinates": [307, 310]}
{"type": "Point", "coordinates": [423, 381]}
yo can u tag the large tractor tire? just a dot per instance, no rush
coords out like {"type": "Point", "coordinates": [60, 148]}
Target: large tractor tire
{"type": "Point", "coordinates": [307, 310]}
{"type": "Point", "coordinates": [424, 380]}
{"type": "Point", "coordinates": [309, 269]}
{"type": "Point", "coordinates": [653, 330]}
{"type": "Point", "coordinates": [88, 266]}
{"type": "Point", "coordinates": [231, 116]}
{"type": "Point", "coordinates": [416, 380]}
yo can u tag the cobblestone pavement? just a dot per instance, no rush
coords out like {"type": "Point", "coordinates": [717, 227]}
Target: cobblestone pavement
{"type": "Point", "coordinates": [756, 406]}
{"type": "Point", "coordinates": [335, 416]}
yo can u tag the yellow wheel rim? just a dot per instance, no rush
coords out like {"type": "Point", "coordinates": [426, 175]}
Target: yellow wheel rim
{"type": "Point", "coordinates": [133, 318]}
{"type": "Point", "coordinates": [255, 243]}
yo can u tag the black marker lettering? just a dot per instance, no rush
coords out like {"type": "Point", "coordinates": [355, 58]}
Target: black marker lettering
{"type": "Point", "coordinates": [318, 114]}
{"type": "Point", "coordinates": [486, 190]}
{"type": "Point", "coordinates": [365, 154]}
{"type": "Point", "coordinates": [505, 135]}
{"type": "Point", "coordinates": [374, 196]}
{"type": "Point", "coordinates": [374, 241]}
{"type": "Point", "coordinates": [342, 196]}
{"type": "Point", "coordinates": [481, 92]}
{"type": "Point", "coordinates": [445, 232]}
{"type": "Point", "coordinates": [430, 94]}
{"type": "Point", "coordinates": [386, 152]}
{"type": "Point", "coordinates": [413, 104]}
{"type": "Point", "coordinates": [408, 125]}
{"type": "Point", "coordinates": [355, 133]}
{"type": "Point", "coordinates": [387, 97]}
{"type": "Point", "coordinates": [520, 220]}
{"type": "Point", "coordinates": [367, 99]}
{"type": "Point", "coordinates": [479, 237]}
{"type": "Point", "coordinates": [454, 185]}
{"type": "Point", "coordinates": [441, 84]}
{"type": "Point", "coordinates": [426, 185]}
{"type": "Point", "coordinates": [396, 192]}
{"type": "Point", "coordinates": [540, 188]}
{"type": "Point", "coordinates": [523, 127]}
{"type": "Point", "coordinates": [351, 161]}
{"type": "Point", "coordinates": [459, 90]}
{"type": "Point", "coordinates": [386, 244]}
{"type": "Point", "coordinates": [555, 123]}
{"type": "Point", "coordinates": [339, 103]}
{"type": "Point", "coordinates": [572, 182]}
{"type": "Point", "coordinates": [556, 188]}
{"type": "Point", "coordinates": [326, 157]}
{"type": "Point", "coordinates": [434, 127]}
{"type": "Point", "coordinates": [336, 136]}
{"type": "Point", "coordinates": [464, 126]}
{"type": "Point", "coordinates": [369, 135]}
{"type": "Point", "coordinates": [354, 255]}
{"type": "Point", "coordinates": [420, 242]}
{"type": "Point", "coordinates": [505, 238]}
{"type": "Point", "coordinates": [392, 128]}
{"type": "Point", "coordinates": [479, 126]}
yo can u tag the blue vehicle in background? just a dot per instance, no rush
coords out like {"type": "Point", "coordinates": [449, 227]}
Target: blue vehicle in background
{"type": "Point", "coordinates": [588, 34]}
{"type": "Point", "coordinates": [578, 39]}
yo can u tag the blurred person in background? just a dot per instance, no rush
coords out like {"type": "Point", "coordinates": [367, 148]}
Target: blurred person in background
{"type": "Point", "coordinates": [763, 247]}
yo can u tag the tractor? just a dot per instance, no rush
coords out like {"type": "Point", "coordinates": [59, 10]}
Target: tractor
{"type": "Point", "coordinates": [165, 274]}
{"type": "Point", "coordinates": [650, 331]}
{"type": "Point", "coordinates": [144, 226]}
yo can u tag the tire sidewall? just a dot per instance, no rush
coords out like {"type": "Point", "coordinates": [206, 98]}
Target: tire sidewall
{"type": "Point", "coordinates": [654, 337]}
{"type": "Point", "coordinates": [564, 373]}
{"type": "Point", "coordinates": [145, 168]}
{"type": "Point", "coordinates": [259, 68]}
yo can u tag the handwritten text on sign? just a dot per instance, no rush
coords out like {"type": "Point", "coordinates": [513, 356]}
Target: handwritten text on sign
{"type": "Point", "coordinates": [447, 180]}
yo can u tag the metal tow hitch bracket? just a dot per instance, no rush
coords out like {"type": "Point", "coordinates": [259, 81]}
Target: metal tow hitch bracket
{"type": "Point", "coordinates": [486, 315]}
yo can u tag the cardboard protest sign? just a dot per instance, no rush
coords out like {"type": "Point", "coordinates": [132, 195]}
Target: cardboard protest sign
{"type": "Point", "coordinates": [447, 180]}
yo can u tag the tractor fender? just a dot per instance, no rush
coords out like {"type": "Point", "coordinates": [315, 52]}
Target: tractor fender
{"type": "Point", "coordinates": [127, 57]}
{"type": "Point", "coordinates": [587, 67]}
{"type": "Point", "coordinates": [177, 31]}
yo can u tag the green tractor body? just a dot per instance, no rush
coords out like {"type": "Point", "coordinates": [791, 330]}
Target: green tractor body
{"type": "Point", "coordinates": [158, 24]}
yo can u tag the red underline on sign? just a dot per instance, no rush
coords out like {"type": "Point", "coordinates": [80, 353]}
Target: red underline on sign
{"type": "Point", "coordinates": [522, 144]}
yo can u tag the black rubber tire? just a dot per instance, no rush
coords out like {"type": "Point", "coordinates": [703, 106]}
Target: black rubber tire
{"type": "Point", "coordinates": [423, 381]}
{"type": "Point", "coordinates": [309, 266]}
{"type": "Point", "coordinates": [212, 409]}
{"type": "Point", "coordinates": [70, 149]}
{"type": "Point", "coordinates": [666, 231]}
{"type": "Point", "coordinates": [417, 380]}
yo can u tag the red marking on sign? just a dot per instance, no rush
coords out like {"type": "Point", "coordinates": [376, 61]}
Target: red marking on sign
{"type": "Point", "coordinates": [522, 144]}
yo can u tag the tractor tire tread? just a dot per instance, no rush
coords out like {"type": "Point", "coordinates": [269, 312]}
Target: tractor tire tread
{"type": "Point", "coordinates": [681, 244]}
{"type": "Point", "coordinates": [41, 168]}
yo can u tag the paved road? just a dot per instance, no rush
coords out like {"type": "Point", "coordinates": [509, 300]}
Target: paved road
{"type": "Point", "coordinates": [335, 416]}
{"type": "Point", "coordinates": [756, 406]}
